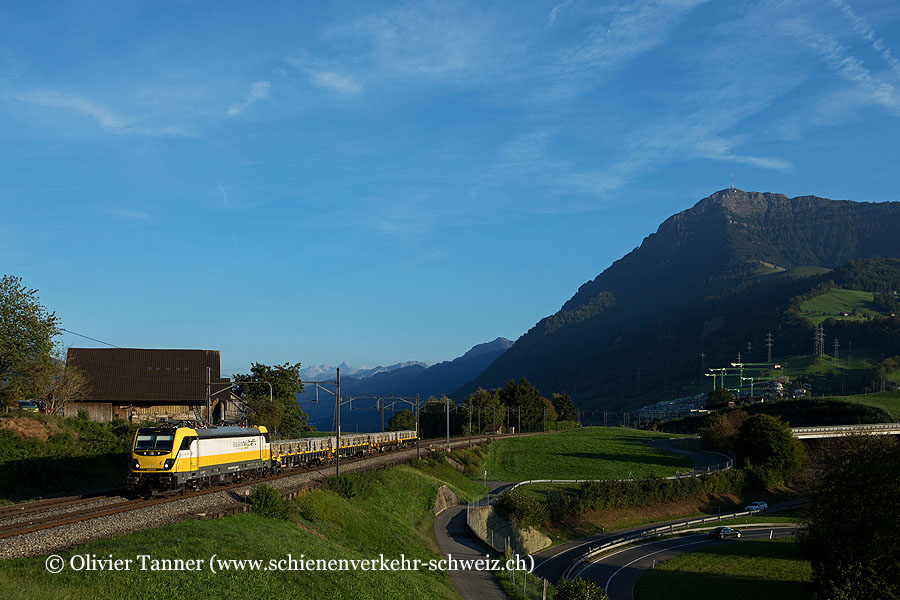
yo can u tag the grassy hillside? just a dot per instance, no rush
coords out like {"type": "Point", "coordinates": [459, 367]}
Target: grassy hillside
{"type": "Point", "coordinates": [392, 519]}
{"type": "Point", "coordinates": [60, 455]}
{"type": "Point", "coordinates": [889, 402]}
{"type": "Point", "coordinates": [774, 570]}
{"type": "Point", "coordinates": [586, 453]}
{"type": "Point", "coordinates": [831, 305]}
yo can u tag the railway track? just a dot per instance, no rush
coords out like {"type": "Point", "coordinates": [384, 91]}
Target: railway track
{"type": "Point", "coordinates": [57, 512]}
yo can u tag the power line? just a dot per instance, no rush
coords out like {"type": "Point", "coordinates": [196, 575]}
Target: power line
{"type": "Point", "coordinates": [88, 337]}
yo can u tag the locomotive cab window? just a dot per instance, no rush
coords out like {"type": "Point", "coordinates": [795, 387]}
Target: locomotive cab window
{"type": "Point", "coordinates": [154, 441]}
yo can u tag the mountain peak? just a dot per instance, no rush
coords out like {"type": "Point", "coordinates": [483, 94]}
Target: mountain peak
{"type": "Point", "coordinates": [742, 203]}
{"type": "Point", "coordinates": [499, 344]}
{"type": "Point", "coordinates": [642, 307]}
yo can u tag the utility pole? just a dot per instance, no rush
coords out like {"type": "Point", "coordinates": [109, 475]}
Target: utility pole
{"type": "Point", "coordinates": [337, 408]}
{"type": "Point", "coordinates": [819, 341]}
{"type": "Point", "coordinates": [448, 422]}
{"type": "Point", "coordinates": [418, 431]}
{"type": "Point", "coordinates": [470, 423]}
{"type": "Point", "coordinates": [769, 341]}
{"type": "Point", "coordinates": [208, 397]}
{"type": "Point", "coordinates": [836, 358]}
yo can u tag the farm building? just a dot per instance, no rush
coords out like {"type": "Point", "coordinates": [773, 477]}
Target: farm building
{"type": "Point", "coordinates": [140, 384]}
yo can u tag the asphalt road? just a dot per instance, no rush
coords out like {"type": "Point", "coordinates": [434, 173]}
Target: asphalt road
{"type": "Point", "coordinates": [454, 539]}
{"type": "Point", "coordinates": [619, 570]}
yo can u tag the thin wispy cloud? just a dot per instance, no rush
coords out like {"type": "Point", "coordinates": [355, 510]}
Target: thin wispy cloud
{"type": "Point", "coordinates": [862, 27]}
{"type": "Point", "coordinates": [697, 118]}
{"type": "Point", "coordinates": [325, 74]}
{"type": "Point", "coordinates": [101, 114]}
{"type": "Point", "coordinates": [557, 10]}
{"type": "Point", "coordinates": [866, 88]}
{"type": "Point", "coordinates": [436, 41]}
{"type": "Point", "coordinates": [259, 90]}
{"type": "Point", "coordinates": [615, 37]}
{"type": "Point", "coordinates": [224, 195]}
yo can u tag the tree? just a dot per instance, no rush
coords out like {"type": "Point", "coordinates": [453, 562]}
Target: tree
{"type": "Point", "coordinates": [486, 408]}
{"type": "Point", "coordinates": [283, 412]}
{"type": "Point", "coordinates": [719, 430]}
{"type": "Point", "coordinates": [767, 443]}
{"type": "Point", "coordinates": [403, 420]}
{"type": "Point", "coordinates": [853, 521]}
{"type": "Point", "coordinates": [526, 400]}
{"type": "Point", "coordinates": [27, 330]}
{"type": "Point", "coordinates": [565, 408]}
{"type": "Point", "coordinates": [66, 384]}
{"type": "Point", "coordinates": [719, 398]}
{"type": "Point", "coordinates": [550, 414]}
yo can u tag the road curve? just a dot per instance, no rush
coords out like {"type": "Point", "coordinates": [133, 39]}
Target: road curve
{"type": "Point", "coordinates": [454, 539]}
{"type": "Point", "coordinates": [619, 571]}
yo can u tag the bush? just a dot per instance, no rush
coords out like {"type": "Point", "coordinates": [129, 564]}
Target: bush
{"type": "Point", "coordinates": [559, 505]}
{"type": "Point", "coordinates": [267, 502]}
{"type": "Point", "coordinates": [350, 485]}
{"type": "Point", "coordinates": [611, 494]}
{"type": "Point", "coordinates": [521, 507]}
{"type": "Point", "coordinates": [579, 589]}
{"type": "Point", "coordinates": [767, 442]}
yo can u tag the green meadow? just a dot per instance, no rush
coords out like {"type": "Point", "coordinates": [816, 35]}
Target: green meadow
{"type": "Point", "coordinates": [585, 453]}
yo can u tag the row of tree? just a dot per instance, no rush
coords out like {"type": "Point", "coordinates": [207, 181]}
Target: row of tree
{"type": "Point", "coordinates": [518, 404]}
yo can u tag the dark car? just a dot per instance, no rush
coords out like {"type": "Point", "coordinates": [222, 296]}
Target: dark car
{"type": "Point", "coordinates": [724, 532]}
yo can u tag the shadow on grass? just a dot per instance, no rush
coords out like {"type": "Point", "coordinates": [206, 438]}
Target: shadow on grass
{"type": "Point", "coordinates": [771, 585]}
{"type": "Point", "coordinates": [663, 461]}
{"type": "Point", "coordinates": [32, 477]}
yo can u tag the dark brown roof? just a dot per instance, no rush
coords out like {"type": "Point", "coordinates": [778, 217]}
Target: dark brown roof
{"type": "Point", "coordinates": [129, 375]}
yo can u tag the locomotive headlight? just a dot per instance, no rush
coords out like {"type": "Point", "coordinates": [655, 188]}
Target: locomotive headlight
{"type": "Point", "coordinates": [167, 465]}
{"type": "Point", "coordinates": [137, 464]}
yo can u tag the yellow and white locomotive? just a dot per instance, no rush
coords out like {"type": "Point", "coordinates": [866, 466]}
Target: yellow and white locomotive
{"type": "Point", "coordinates": [172, 458]}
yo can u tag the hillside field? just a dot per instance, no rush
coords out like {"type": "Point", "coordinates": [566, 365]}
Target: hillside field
{"type": "Point", "coordinates": [837, 301]}
{"type": "Point", "coordinates": [585, 453]}
{"type": "Point", "coordinates": [393, 518]}
{"type": "Point", "coordinates": [889, 402]}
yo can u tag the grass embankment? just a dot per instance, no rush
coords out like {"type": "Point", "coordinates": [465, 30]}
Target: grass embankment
{"type": "Point", "coordinates": [391, 516]}
{"type": "Point", "coordinates": [774, 570]}
{"type": "Point", "coordinates": [889, 402]}
{"type": "Point", "coordinates": [46, 455]}
{"type": "Point", "coordinates": [586, 453]}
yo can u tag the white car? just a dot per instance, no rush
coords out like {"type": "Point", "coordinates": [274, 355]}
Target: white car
{"type": "Point", "coordinates": [757, 507]}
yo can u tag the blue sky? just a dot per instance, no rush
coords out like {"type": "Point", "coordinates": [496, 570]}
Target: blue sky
{"type": "Point", "coordinates": [375, 183]}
